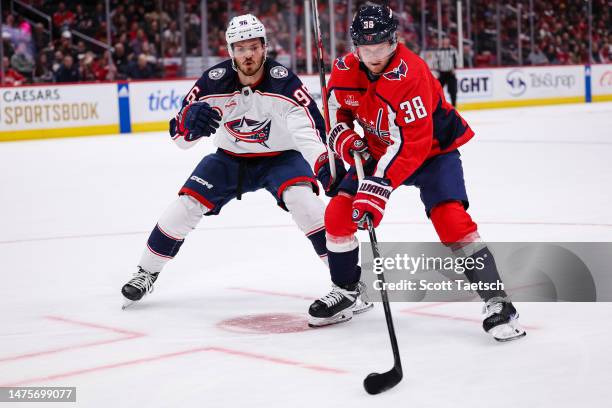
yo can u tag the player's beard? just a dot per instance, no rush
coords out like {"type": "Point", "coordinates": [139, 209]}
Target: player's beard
{"type": "Point", "coordinates": [250, 69]}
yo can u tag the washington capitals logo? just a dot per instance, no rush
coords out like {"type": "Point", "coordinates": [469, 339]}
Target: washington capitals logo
{"type": "Point", "coordinates": [375, 128]}
{"type": "Point", "coordinates": [341, 65]}
{"type": "Point", "coordinates": [398, 72]}
{"type": "Point", "coordinates": [249, 130]}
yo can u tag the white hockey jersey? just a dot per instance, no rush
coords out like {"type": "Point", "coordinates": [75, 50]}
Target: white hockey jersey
{"type": "Point", "coordinates": [273, 116]}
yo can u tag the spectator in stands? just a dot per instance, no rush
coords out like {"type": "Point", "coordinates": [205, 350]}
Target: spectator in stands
{"type": "Point", "coordinates": [66, 46]}
{"type": "Point", "coordinates": [68, 71]}
{"type": "Point", "coordinates": [39, 37]}
{"type": "Point", "coordinates": [149, 53]}
{"type": "Point", "coordinates": [81, 50]}
{"type": "Point", "coordinates": [87, 68]}
{"type": "Point", "coordinates": [108, 67]}
{"type": "Point", "coordinates": [10, 31]}
{"type": "Point", "coordinates": [83, 21]}
{"type": "Point", "coordinates": [99, 15]}
{"type": "Point", "coordinates": [537, 57]}
{"type": "Point", "coordinates": [153, 34]}
{"type": "Point", "coordinates": [121, 61]}
{"type": "Point", "coordinates": [58, 58]}
{"type": "Point", "coordinates": [468, 56]}
{"type": "Point", "coordinates": [42, 73]}
{"type": "Point", "coordinates": [22, 62]}
{"type": "Point", "coordinates": [11, 77]}
{"type": "Point", "coordinates": [8, 47]}
{"type": "Point", "coordinates": [172, 34]}
{"type": "Point", "coordinates": [606, 52]}
{"type": "Point", "coordinates": [551, 54]}
{"type": "Point", "coordinates": [137, 42]}
{"type": "Point", "coordinates": [140, 69]}
{"type": "Point", "coordinates": [63, 18]}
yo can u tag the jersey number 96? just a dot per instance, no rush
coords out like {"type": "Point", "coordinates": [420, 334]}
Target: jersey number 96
{"type": "Point", "coordinates": [301, 94]}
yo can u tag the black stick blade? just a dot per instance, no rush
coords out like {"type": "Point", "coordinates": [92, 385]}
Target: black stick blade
{"type": "Point", "coordinates": [376, 383]}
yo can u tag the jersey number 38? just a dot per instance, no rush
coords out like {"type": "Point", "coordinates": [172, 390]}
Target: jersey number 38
{"type": "Point", "coordinates": [413, 109]}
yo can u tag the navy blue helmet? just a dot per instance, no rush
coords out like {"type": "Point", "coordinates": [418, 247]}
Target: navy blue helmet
{"type": "Point", "coordinates": [373, 25]}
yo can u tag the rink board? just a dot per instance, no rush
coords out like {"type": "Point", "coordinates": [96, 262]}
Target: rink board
{"type": "Point", "coordinates": [49, 111]}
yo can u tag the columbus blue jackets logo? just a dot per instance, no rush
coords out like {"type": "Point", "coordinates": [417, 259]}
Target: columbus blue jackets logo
{"type": "Point", "coordinates": [341, 65]}
{"type": "Point", "coordinates": [279, 72]}
{"type": "Point", "coordinates": [216, 73]}
{"type": "Point", "coordinates": [398, 72]}
{"type": "Point", "coordinates": [249, 130]}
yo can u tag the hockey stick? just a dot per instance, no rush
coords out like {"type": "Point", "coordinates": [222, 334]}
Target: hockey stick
{"type": "Point", "coordinates": [375, 383]}
{"type": "Point", "coordinates": [319, 45]}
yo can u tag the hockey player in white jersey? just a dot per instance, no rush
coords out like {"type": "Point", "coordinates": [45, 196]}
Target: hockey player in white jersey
{"type": "Point", "coordinates": [269, 133]}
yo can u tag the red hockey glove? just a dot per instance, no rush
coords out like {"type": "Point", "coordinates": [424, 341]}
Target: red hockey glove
{"type": "Point", "coordinates": [371, 198]}
{"type": "Point", "coordinates": [344, 141]}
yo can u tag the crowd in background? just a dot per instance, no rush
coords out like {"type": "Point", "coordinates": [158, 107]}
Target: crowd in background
{"type": "Point", "coordinates": [146, 38]}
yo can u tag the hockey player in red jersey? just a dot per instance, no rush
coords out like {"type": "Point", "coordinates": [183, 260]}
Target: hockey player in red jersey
{"type": "Point", "coordinates": [411, 138]}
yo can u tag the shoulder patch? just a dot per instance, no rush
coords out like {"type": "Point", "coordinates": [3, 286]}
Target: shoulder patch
{"type": "Point", "coordinates": [216, 73]}
{"type": "Point", "coordinates": [279, 72]}
{"type": "Point", "coordinates": [398, 72]}
{"type": "Point", "coordinates": [341, 64]}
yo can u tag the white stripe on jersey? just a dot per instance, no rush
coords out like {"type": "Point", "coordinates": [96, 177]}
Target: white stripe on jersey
{"type": "Point", "coordinates": [393, 149]}
{"type": "Point", "coordinates": [333, 105]}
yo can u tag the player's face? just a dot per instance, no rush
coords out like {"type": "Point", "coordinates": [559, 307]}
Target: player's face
{"type": "Point", "coordinates": [376, 56]}
{"type": "Point", "coordinates": [249, 56]}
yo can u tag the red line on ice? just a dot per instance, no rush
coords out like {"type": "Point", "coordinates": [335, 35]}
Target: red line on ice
{"type": "Point", "coordinates": [282, 226]}
{"type": "Point", "coordinates": [95, 326]}
{"type": "Point", "coordinates": [273, 293]}
{"type": "Point", "coordinates": [277, 360]}
{"type": "Point", "coordinates": [126, 335]}
{"type": "Point", "coordinates": [52, 377]}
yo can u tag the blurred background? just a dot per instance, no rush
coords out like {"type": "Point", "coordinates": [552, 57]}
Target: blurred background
{"type": "Point", "coordinates": [108, 40]}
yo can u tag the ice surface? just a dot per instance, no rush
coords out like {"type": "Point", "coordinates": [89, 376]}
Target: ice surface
{"type": "Point", "coordinates": [225, 326]}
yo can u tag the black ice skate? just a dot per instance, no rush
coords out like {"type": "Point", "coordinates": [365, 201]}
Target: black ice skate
{"type": "Point", "coordinates": [337, 306]}
{"type": "Point", "coordinates": [501, 320]}
{"type": "Point", "coordinates": [140, 284]}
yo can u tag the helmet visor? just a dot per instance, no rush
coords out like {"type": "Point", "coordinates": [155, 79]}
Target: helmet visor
{"type": "Point", "coordinates": [375, 52]}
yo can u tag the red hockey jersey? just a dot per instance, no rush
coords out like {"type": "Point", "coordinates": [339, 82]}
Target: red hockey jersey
{"type": "Point", "coordinates": [403, 112]}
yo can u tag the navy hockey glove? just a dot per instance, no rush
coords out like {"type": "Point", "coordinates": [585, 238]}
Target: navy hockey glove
{"type": "Point", "coordinates": [344, 141]}
{"type": "Point", "coordinates": [371, 198]}
{"type": "Point", "coordinates": [196, 120]}
{"type": "Point", "coordinates": [324, 174]}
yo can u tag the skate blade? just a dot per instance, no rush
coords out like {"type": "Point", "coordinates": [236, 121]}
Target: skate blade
{"type": "Point", "coordinates": [363, 307]}
{"type": "Point", "coordinates": [505, 340]}
{"type": "Point", "coordinates": [328, 321]}
{"type": "Point", "coordinates": [508, 332]}
{"type": "Point", "coordinates": [127, 303]}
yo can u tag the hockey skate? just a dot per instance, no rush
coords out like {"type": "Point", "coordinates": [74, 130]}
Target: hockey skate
{"type": "Point", "coordinates": [501, 320]}
{"type": "Point", "coordinates": [140, 284]}
{"type": "Point", "coordinates": [362, 303]}
{"type": "Point", "coordinates": [337, 306]}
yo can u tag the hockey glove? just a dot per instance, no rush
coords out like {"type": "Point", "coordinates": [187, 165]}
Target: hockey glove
{"type": "Point", "coordinates": [344, 141]}
{"type": "Point", "coordinates": [196, 120]}
{"type": "Point", "coordinates": [371, 198]}
{"type": "Point", "coordinates": [323, 173]}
